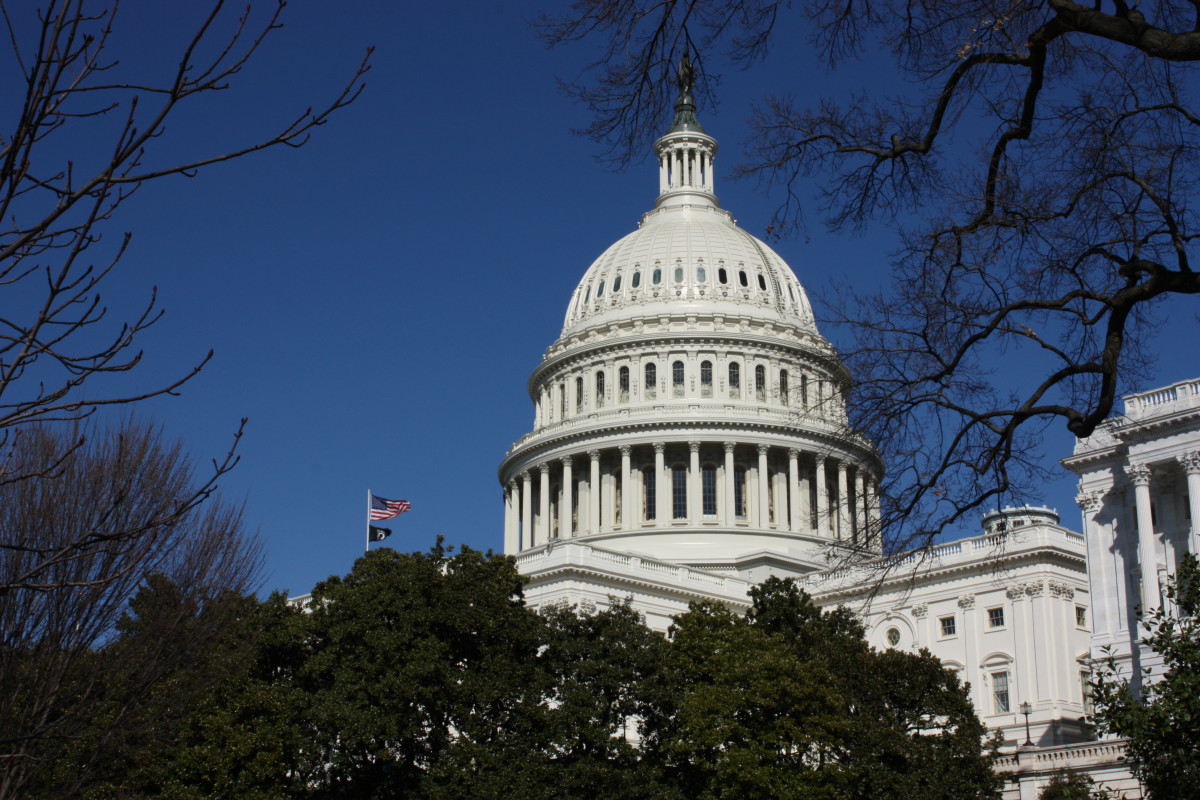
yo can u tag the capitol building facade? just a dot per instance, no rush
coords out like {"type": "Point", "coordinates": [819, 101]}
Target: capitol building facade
{"type": "Point", "coordinates": [690, 439]}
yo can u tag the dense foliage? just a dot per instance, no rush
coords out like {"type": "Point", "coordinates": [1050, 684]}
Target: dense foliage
{"type": "Point", "coordinates": [425, 676]}
{"type": "Point", "coordinates": [1159, 711]}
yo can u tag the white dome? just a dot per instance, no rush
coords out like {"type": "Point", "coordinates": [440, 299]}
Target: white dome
{"type": "Point", "coordinates": [685, 257]}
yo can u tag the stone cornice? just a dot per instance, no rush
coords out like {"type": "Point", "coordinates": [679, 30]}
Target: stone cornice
{"type": "Point", "coordinates": [829, 438]}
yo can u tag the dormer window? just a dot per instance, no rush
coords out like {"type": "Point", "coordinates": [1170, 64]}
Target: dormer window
{"type": "Point", "coordinates": [722, 275]}
{"type": "Point", "coordinates": [700, 274]}
{"type": "Point", "coordinates": [742, 279]}
{"type": "Point", "coordinates": [637, 280]}
{"type": "Point", "coordinates": [617, 284]}
{"type": "Point", "coordinates": [762, 282]}
{"type": "Point", "coordinates": [600, 290]}
{"type": "Point", "coordinates": [656, 276]}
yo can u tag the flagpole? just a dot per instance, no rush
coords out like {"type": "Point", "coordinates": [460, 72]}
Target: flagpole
{"type": "Point", "coordinates": [367, 547]}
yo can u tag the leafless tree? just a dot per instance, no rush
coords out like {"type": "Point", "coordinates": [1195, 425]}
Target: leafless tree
{"type": "Point", "coordinates": [83, 137]}
{"type": "Point", "coordinates": [55, 671]}
{"type": "Point", "coordinates": [1041, 173]}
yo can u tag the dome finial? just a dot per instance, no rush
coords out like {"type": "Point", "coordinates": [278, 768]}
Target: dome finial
{"type": "Point", "coordinates": [685, 106]}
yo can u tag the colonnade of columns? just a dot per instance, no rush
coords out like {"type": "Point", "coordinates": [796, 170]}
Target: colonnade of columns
{"type": "Point", "coordinates": [688, 484]}
{"type": "Point", "coordinates": [685, 165]}
{"type": "Point", "coordinates": [1106, 558]}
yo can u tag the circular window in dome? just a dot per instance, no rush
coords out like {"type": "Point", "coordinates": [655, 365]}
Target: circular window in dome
{"type": "Point", "coordinates": [762, 282]}
{"type": "Point", "coordinates": [600, 290]}
{"type": "Point", "coordinates": [700, 274]}
{"type": "Point", "coordinates": [617, 284]}
{"type": "Point", "coordinates": [893, 637]}
{"type": "Point", "coordinates": [742, 278]}
{"type": "Point", "coordinates": [656, 276]}
{"type": "Point", "coordinates": [637, 279]}
{"type": "Point", "coordinates": [679, 274]}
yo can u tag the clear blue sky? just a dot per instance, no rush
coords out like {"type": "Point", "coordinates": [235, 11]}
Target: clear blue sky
{"type": "Point", "coordinates": [378, 298]}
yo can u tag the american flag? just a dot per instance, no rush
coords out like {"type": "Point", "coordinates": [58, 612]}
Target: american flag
{"type": "Point", "coordinates": [381, 508]}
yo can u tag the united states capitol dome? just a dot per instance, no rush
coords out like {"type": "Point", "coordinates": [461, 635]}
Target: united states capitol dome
{"type": "Point", "coordinates": [688, 254]}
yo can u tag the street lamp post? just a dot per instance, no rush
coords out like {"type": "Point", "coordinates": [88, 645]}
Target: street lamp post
{"type": "Point", "coordinates": [1026, 709]}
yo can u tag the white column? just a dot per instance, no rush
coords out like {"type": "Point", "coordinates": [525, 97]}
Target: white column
{"type": "Point", "coordinates": [511, 546]}
{"type": "Point", "coordinates": [843, 504]}
{"type": "Point", "coordinates": [566, 505]}
{"type": "Point", "coordinates": [794, 490]}
{"type": "Point", "coordinates": [728, 516]}
{"type": "Point", "coordinates": [662, 514]}
{"type": "Point", "coordinates": [693, 479]}
{"type": "Point", "coordinates": [1139, 474]}
{"type": "Point", "coordinates": [594, 493]}
{"type": "Point", "coordinates": [860, 509]}
{"type": "Point", "coordinates": [823, 521]}
{"type": "Point", "coordinates": [662, 174]}
{"type": "Point", "coordinates": [626, 486]}
{"type": "Point", "coordinates": [1102, 595]}
{"type": "Point", "coordinates": [544, 503]}
{"type": "Point", "coordinates": [526, 535]}
{"type": "Point", "coordinates": [763, 514]}
{"type": "Point", "coordinates": [1191, 465]}
{"type": "Point", "coordinates": [874, 519]}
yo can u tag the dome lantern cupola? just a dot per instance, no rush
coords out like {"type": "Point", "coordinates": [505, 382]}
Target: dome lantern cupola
{"type": "Point", "coordinates": [686, 152]}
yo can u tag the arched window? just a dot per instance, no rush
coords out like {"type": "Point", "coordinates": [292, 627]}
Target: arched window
{"type": "Point", "coordinates": [600, 290]}
{"type": "Point", "coordinates": [578, 395]}
{"type": "Point", "coordinates": [649, 494]}
{"type": "Point", "coordinates": [562, 401]}
{"type": "Point", "coordinates": [706, 379]}
{"type": "Point", "coordinates": [600, 389]}
{"type": "Point", "coordinates": [739, 492]}
{"type": "Point", "coordinates": [708, 485]}
{"type": "Point", "coordinates": [722, 275]}
{"type": "Point", "coordinates": [679, 274]}
{"type": "Point", "coordinates": [783, 386]}
{"type": "Point", "coordinates": [623, 385]}
{"type": "Point", "coordinates": [762, 282]}
{"type": "Point", "coordinates": [700, 274]}
{"type": "Point", "coordinates": [656, 276]}
{"type": "Point", "coordinates": [617, 283]}
{"type": "Point", "coordinates": [742, 279]}
{"type": "Point", "coordinates": [804, 391]}
{"type": "Point", "coordinates": [679, 492]}
{"type": "Point", "coordinates": [760, 383]}
{"type": "Point", "coordinates": [587, 295]}
{"type": "Point", "coordinates": [651, 382]}
{"type": "Point", "coordinates": [791, 293]}
{"type": "Point", "coordinates": [735, 380]}
{"type": "Point", "coordinates": [677, 378]}
{"type": "Point", "coordinates": [637, 279]}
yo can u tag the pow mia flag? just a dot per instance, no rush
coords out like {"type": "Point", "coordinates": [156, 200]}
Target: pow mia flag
{"type": "Point", "coordinates": [378, 534]}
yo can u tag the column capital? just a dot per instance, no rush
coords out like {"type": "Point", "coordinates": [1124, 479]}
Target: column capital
{"type": "Point", "coordinates": [512, 484]}
{"type": "Point", "coordinates": [1088, 501]}
{"type": "Point", "coordinates": [544, 468]}
{"type": "Point", "coordinates": [659, 447]}
{"type": "Point", "coordinates": [729, 446]}
{"type": "Point", "coordinates": [525, 476]}
{"type": "Point", "coordinates": [763, 449]}
{"type": "Point", "coordinates": [1035, 588]}
{"type": "Point", "coordinates": [1015, 592]}
{"type": "Point", "coordinates": [594, 455]}
{"type": "Point", "coordinates": [920, 610]}
{"type": "Point", "coordinates": [626, 450]}
{"type": "Point", "coordinates": [567, 460]}
{"type": "Point", "coordinates": [693, 446]}
{"type": "Point", "coordinates": [1190, 462]}
{"type": "Point", "coordinates": [966, 601]}
{"type": "Point", "coordinates": [793, 452]}
{"type": "Point", "coordinates": [1139, 474]}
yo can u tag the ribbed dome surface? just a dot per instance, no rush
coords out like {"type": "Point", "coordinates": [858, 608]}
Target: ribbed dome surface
{"type": "Point", "coordinates": [685, 259]}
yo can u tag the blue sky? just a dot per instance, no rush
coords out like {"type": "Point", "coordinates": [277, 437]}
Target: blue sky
{"type": "Point", "coordinates": [377, 299]}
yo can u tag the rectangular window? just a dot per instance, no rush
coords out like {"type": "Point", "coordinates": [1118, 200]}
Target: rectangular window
{"type": "Point", "coordinates": [679, 492]}
{"type": "Point", "coordinates": [623, 384]}
{"type": "Point", "coordinates": [1085, 686]}
{"type": "Point", "coordinates": [1081, 616]}
{"type": "Point", "coordinates": [1000, 704]}
{"type": "Point", "coordinates": [677, 378]}
{"type": "Point", "coordinates": [948, 627]}
{"type": "Point", "coordinates": [649, 496]}
{"type": "Point", "coordinates": [709, 485]}
{"type": "Point", "coordinates": [651, 382]}
{"type": "Point", "coordinates": [995, 617]}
